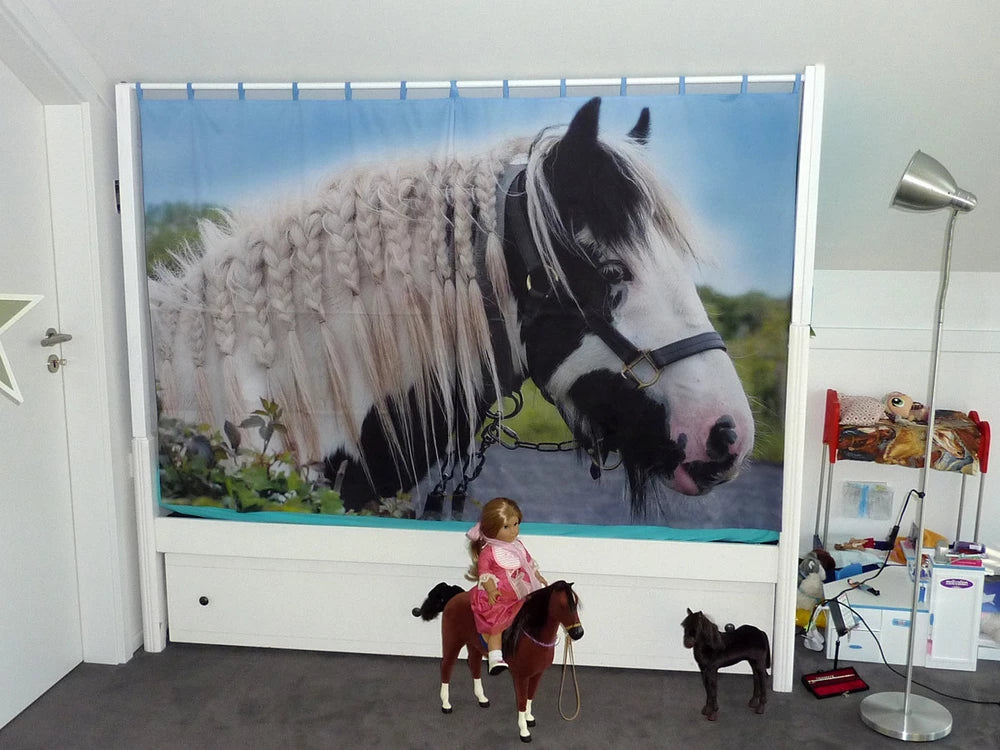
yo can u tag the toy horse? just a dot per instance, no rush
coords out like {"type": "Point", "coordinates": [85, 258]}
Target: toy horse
{"type": "Point", "coordinates": [714, 649]}
{"type": "Point", "coordinates": [528, 644]}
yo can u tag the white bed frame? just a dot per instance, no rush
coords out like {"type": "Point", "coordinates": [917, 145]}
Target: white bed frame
{"type": "Point", "coordinates": [351, 589]}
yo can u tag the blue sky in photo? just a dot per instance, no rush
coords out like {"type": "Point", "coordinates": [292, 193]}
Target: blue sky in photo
{"type": "Point", "coordinates": [729, 159]}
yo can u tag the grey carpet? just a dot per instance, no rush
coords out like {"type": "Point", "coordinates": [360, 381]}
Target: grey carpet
{"type": "Point", "coordinates": [192, 696]}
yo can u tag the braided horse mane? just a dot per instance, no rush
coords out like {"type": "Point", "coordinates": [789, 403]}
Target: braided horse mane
{"type": "Point", "coordinates": [375, 300]}
{"type": "Point", "coordinates": [366, 295]}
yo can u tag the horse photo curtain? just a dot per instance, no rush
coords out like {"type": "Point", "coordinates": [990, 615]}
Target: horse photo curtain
{"type": "Point", "coordinates": [372, 310]}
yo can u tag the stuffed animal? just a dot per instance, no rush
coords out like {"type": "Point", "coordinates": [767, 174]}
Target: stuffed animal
{"type": "Point", "coordinates": [989, 626]}
{"type": "Point", "coordinates": [900, 406]}
{"type": "Point", "coordinates": [865, 411]}
{"type": "Point", "coordinates": [817, 561]}
{"type": "Point", "coordinates": [810, 592]}
{"type": "Point", "coordinates": [814, 569]}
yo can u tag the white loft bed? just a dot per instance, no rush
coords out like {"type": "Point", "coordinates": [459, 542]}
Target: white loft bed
{"type": "Point", "coordinates": [351, 588]}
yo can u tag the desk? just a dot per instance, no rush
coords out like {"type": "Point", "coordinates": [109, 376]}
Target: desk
{"type": "Point", "coordinates": [949, 609]}
{"type": "Point", "coordinates": [887, 615]}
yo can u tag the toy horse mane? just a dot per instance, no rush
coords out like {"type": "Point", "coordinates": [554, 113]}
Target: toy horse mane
{"type": "Point", "coordinates": [706, 632]}
{"type": "Point", "coordinates": [534, 613]}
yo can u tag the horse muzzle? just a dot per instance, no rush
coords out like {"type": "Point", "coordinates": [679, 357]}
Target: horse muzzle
{"type": "Point", "coordinates": [575, 631]}
{"type": "Point", "coordinates": [719, 463]}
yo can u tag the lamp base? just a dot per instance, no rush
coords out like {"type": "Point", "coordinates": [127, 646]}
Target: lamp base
{"type": "Point", "coordinates": [927, 720]}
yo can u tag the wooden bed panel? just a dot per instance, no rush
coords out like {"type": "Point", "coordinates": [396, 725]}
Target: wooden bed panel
{"type": "Point", "coordinates": [352, 589]}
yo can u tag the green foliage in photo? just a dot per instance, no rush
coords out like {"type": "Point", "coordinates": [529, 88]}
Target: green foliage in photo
{"type": "Point", "coordinates": [173, 226]}
{"type": "Point", "coordinates": [200, 467]}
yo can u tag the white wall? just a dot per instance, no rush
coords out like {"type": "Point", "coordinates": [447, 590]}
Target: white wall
{"type": "Point", "coordinates": [899, 76]}
{"type": "Point", "coordinates": [873, 336]}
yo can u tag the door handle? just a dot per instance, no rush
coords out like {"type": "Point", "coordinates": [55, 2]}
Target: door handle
{"type": "Point", "coordinates": [53, 337]}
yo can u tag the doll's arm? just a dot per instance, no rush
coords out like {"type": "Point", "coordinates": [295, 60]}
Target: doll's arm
{"type": "Point", "coordinates": [487, 575]}
{"type": "Point", "coordinates": [489, 583]}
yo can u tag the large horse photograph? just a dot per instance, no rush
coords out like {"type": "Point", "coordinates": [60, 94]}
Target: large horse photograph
{"type": "Point", "coordinates": [401, 309]}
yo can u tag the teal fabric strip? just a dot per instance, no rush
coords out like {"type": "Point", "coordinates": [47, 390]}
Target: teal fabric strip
{"type": "Point", "coordinates": [656, 533]}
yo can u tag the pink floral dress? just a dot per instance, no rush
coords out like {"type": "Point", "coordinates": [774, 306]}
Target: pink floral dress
{"type": "Point", "coordinates": [512, 569]}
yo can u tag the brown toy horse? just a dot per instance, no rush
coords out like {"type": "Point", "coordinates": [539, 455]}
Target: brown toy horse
{"type": "Point", "coordinates": [528, 644]}
{"type": "Point", "coordinates": [714, 649]}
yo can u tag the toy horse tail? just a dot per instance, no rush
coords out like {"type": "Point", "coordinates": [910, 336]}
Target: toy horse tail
{"type": "Point", "coordinates": [436, 600]}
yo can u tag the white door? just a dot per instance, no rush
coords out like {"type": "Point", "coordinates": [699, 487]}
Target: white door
{"type": "Point", "coordinates": [40, 634]}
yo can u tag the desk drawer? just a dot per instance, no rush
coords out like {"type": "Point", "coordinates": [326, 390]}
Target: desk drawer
{"type": "Point", "coordinates": [890, 628]}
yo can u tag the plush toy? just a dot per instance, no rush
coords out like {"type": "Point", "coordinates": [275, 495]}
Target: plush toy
{"type": "Point", "coordinates": [900, 406]}
{"type": "Point", "coordinates": [814, 569]}
{"type": "Point", "coordinates": [865, 411]}
{"type": "Point", "coordinates": [989, 626]}
{"type": "Point", "coordinates": [817, 561]}
{"type": "Point", "coordinates": [810, 592]}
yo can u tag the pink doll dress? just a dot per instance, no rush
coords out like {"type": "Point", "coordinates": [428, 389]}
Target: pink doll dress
{"type": "Point", "coordinates": [504, 564]}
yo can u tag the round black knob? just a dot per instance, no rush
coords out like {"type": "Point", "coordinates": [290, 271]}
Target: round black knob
{"type": "Point", "coordinates": [203, 601]}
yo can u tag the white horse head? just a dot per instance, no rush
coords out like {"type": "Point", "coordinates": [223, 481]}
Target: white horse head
{"type": "Point", "coordinates": [614, 331]}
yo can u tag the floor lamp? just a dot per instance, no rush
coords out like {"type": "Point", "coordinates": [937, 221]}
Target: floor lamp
{"type": "Point", "coordinates": [925, 186]}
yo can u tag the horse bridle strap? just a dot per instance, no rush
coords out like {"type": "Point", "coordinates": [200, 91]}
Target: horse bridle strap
{"type": "Point", "coordinates": [512, 214]}
{"type": "Point", "coordinates": [634, 357]}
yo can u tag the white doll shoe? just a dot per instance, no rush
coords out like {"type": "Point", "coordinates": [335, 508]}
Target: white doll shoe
{"type": "Point", "coordinates": [496, 663]}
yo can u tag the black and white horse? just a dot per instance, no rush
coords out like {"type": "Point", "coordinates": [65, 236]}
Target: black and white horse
{"type": "Point", "coordinates": [386, 313]}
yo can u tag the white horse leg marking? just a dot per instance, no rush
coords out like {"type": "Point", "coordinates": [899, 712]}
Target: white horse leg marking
{"type": "Point", "coordinates": [445, 704]}
{"type": "Point", "coordinates": [527, 713]}
{"type": "Point", "coordinates": [522, 725]}
{"type": "Point", "coordinates": [477, 689]}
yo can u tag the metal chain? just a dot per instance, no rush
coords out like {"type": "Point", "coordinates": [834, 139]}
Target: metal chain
{"type": "Point", "coordinates": [496, 433]}
{"type": "Point", "coordinates": [501, 434]}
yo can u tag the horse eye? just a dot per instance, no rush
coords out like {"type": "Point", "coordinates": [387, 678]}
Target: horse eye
{"type": "Point", "coordinates": [614, 272]}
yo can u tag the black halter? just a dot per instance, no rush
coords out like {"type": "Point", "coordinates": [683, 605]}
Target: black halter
{"type": "Point", "coordinates": [512, 215]}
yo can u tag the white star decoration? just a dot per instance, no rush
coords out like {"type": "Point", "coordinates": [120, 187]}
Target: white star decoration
{"type": "Point", "coordinates": [12, 307]}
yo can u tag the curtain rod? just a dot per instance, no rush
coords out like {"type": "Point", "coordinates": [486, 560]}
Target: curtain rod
{"type": "Point", "coordinates": [456, 86]}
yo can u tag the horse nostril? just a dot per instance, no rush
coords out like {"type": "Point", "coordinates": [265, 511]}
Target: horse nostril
{"type": "Point", "coordinates": [721, 437]}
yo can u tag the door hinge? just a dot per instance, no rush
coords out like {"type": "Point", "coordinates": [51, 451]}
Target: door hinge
{"type": "Point", "coordinates": [118, 197]}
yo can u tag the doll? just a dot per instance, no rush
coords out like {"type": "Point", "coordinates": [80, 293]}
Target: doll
{"type": "Point", "coordinates": [504, 571]}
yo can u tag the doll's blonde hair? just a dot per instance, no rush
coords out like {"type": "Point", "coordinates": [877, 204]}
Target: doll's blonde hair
{"type": "Point", "coordinates": [495, 515]}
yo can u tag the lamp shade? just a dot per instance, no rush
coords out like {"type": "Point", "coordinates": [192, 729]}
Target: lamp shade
{"type": "Point", "coordinates": [927, 186]}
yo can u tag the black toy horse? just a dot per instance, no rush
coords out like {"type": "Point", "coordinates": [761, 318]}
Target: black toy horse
{"type": "Point", "coordinates": [714, 649]}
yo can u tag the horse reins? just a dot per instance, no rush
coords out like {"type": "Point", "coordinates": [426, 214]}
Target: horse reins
{"type": "Point", "coordinates": [568, 659]}
{"type": "Point", "coordinates": [512, 219]}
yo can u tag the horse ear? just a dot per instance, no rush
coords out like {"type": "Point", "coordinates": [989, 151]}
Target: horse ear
{"type": "Point", "coordinates": [584, 124]}
{"type": "Point", "coordinates": [640, 133]}
{"type": "Point", "coordinates": [689, 611]}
